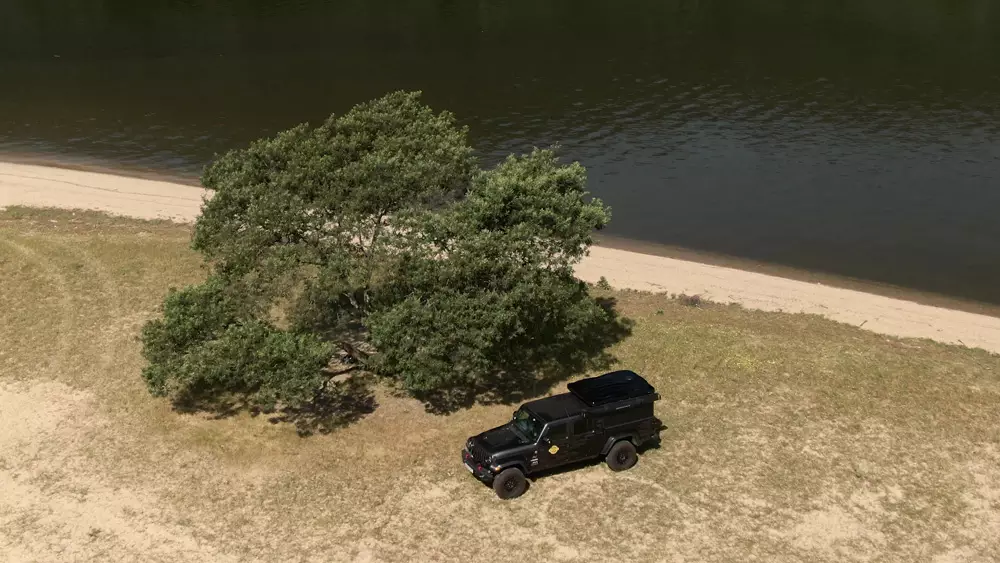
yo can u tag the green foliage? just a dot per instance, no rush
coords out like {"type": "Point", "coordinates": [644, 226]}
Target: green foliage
{"type": "Point", "coordinates": [328, 196]}
{"type": "Point", "coordinates": [191, 316]}
{"type": "Point", "coordinates": [537, 207]}
{"type": "Point", "coordinates": [377, 233]}
{"type": "Point", "coordinates": [256, 361]}
{"type": "Point", "coordinates": [448, 346]}
{"type": "Point", "coordinates": [490, 305]}
{"type": "Point", "coordinates": [207, 345]}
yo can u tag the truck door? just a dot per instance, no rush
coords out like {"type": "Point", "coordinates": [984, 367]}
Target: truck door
{"type": "Point", "coordinates": [554, 449]}
{"type": "Point", "coordinates": [587, 437]}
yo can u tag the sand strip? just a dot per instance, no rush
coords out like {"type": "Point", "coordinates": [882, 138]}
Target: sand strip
{"type": "Point", "coordinates": [43, 186]}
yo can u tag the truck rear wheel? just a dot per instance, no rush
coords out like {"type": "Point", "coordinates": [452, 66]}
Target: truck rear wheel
{"type": "Point", "coordinates": [510, 483]}
{"type": "Point", "coordinates": [622, 456]}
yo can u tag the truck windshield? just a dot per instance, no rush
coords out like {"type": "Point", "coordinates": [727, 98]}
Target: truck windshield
{"type": "Point", "coordinates": [527, 425]}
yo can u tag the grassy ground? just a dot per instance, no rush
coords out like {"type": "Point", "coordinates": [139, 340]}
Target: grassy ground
{"type": "Point", "coordinates": [790, 438]}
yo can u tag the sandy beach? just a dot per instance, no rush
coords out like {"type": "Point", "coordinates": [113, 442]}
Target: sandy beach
{"type": "Point", "coordinates": [44, 186]}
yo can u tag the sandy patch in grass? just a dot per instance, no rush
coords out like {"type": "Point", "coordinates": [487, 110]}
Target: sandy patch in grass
{"type": "Point", "coordinates": [54, 506]}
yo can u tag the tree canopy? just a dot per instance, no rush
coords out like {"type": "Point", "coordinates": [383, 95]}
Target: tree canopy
{"type": "Point", "coordinates": [377, 234]}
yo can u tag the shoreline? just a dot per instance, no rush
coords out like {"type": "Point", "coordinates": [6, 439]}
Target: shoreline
{"type": "Point", "coordinates": [798, 274]}
{"type": "Point", "coordinates": [94, 166]}
{"type": "Point", "coordinates": [625, 264]}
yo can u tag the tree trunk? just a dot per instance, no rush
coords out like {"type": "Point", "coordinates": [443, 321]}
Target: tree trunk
{"type": "Point", "coordinates": [352, 351]}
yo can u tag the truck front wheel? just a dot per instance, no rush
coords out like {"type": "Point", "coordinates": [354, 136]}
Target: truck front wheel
{"type": "Point", "coordinates": [510, 483]}
{"type": "Point", "coordinates": [622, 456]}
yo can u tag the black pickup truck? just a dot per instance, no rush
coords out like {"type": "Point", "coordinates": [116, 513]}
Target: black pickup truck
{"type": "Point", "coordinates": [608, 416]}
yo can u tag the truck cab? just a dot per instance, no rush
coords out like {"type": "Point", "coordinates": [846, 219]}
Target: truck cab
{"type": "Point", "coordinates": [608, 416]}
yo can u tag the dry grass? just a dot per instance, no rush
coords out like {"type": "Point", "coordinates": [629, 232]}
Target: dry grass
{"type": "Point", "coordinates": [790, 438]}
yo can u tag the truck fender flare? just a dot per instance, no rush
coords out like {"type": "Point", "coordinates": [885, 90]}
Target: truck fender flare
{"type": "Point", "coordinates": [611, 442]}
{"type": "Point", "coordinates": [514, 464]}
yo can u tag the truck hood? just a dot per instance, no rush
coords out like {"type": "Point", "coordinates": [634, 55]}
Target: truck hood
{"type": "Point", "coordinates": [501, 438]}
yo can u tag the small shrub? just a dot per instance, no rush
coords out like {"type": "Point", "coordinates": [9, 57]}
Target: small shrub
{"type": "Point", "coordinates": [690, 300]}
{"type": "Point", "coordinates": [603, 284]}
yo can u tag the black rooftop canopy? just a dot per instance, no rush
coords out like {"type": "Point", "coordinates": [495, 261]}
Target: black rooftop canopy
{"type": "Point", "coordinates": [610, 387]}
{"type": "Point", "coordinates": [555, 407]}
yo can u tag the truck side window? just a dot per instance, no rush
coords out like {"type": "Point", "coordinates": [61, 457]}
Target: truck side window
{"type": "Point", "coordinates": [557, 432]}
{"type": "Point", "coordinates": [580, 426]}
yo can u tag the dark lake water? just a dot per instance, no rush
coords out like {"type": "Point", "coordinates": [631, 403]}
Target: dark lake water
{"type": "Point", "coordinates": [854, 137]}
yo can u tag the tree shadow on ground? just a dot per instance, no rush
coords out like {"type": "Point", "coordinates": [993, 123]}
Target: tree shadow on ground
{"type": "Point", "coordinates": [342, 401]}
{"type": "Point", "coordinates": [532, 369]}
{"type": "Point", "coordinates": [338, 404]}
{"type": "Point", "coordinates": [215, 407]}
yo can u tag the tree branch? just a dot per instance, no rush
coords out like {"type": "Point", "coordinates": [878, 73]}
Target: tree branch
{"type": "Point", "coordinates": [352, 351]}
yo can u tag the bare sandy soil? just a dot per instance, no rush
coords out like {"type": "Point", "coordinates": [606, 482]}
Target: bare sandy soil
{"type": "Point", "coordinates": [40, 186]}
{"type": "Point", "coordinates": [790, 438]}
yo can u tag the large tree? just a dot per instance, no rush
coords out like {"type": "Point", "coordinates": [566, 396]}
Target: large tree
{"type": "Point", "coordinates": [377, 234]}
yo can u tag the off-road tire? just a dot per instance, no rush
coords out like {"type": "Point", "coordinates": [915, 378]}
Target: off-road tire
{"type": "Point", "coordinates": [622, 456]}
{"type": "Point", "coordinates": [510, 483]}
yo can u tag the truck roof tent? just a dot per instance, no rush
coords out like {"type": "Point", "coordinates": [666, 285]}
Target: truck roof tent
{"type": "Point", "coordinates": [610, 388]}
